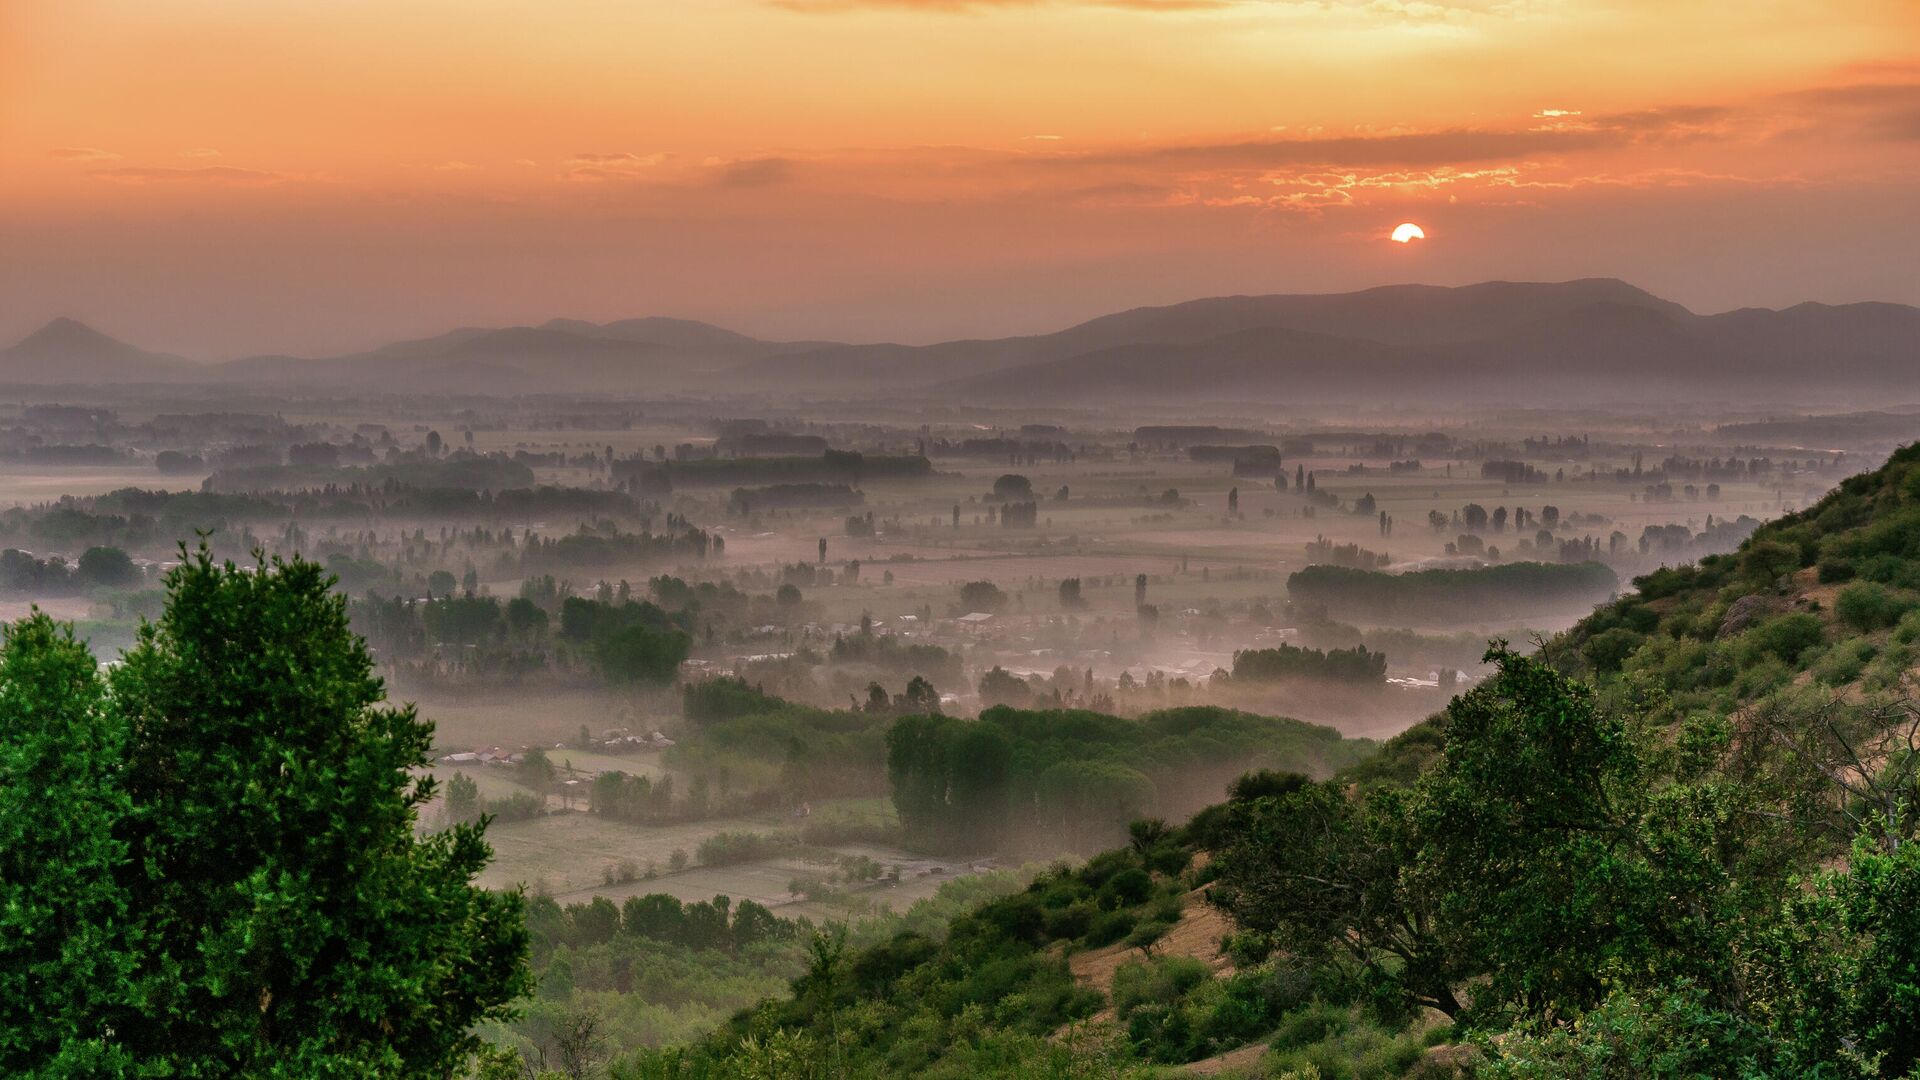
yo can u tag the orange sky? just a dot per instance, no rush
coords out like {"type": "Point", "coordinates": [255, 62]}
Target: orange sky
{"type": "Point", "coordinates": [227, 176]}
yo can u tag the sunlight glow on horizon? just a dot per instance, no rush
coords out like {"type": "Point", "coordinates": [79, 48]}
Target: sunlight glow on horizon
{"type": "Point", "coordinates": [299, 177]}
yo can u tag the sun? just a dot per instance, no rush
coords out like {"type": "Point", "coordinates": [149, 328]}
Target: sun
{"type": "Point", "coordinates": [1407, 231]}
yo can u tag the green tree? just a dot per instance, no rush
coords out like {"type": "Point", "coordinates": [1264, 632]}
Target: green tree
{"type": "Point", "coordinates": [982, 596]}
{"type": "Point", "coordinates": [1567, 861]}
{"type": "Point", "coordinates": [978, 761]}
{"type": "Point", "coordinates": [106, 566]}
{"type": "Point", "coordinates": [1070, 598]}
{"type": "Point", "coordinates": [463, 799]}
{"type": "Point", "coordinates": [1324, 875]}
{"type": "Point", "coordinates": [641, 654]}
{"type": "Point", "coordinates": [921, 697]}
{"type": "Point", "coordinates": [292, 921]}
{"type": "Point", "coordinates": [1522, 824]}
{"type": "Point", "coordinates": [65, 955]}
{"type": "Point", "coordinates": [1001, 687]}
{"type": "Point", "coordinates": [917, 771]}
{"type": "Point", "coordinates": [1092, 801]}
{"type": "Point", "coordinates": [536, 770]}
{"type": "Point", "coordinates": [526, 618]}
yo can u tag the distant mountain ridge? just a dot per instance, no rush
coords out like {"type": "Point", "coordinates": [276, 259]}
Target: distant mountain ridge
{"type": "Point", "coordinates": [1512, 340]}
{"type": "Point", "coordinates": [571, 355]}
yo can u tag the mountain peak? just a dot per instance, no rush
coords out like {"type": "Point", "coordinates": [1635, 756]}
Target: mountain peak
{"type": "Point", "coordinates": [64, 331]}
{"type": "Point", "coordinates": [68, 350]}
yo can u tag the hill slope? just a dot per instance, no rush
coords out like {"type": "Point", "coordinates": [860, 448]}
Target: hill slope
{"type": "Point", "coordinates": [1510, 340]}
{"type": "Point", "coordinates": [1678, 841]}
{"type": "Point", "coordinates": [1514, 338]}
{"type": "Point", "coordinates": [635, 355]}
{"type": "Point", "coordinates": [66, 351]}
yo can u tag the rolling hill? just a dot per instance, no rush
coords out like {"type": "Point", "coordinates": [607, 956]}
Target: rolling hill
{"type": "Point", "coordinates": [1508, 341]}
{"type": "Point", "coordinates": [567, 355]}
{"type": "Point", "coordinates": [66, 351]}
{"type": "Point", "coordinates": [1481, 342]}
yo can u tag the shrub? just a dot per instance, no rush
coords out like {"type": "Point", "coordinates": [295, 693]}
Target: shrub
{"type": "Point", "coordinates": [1844, 662]}
{"type": "Point", "coordinates": [1147, 932]}
{"type": "Point", "coordinates": [1607, 650]}
{"type": "Point", "coordinates": [1155, 982]}
{"type": "Point", "coordinates": [1867, 606]}
{"type": "Point", "coordinates": [1786, 636]}
{"type": "Point", "coordinates": [1126, 888]}
{"type": "Point", "coordinates": [1072, 921]}
{"type": "Point", "coordinates": [1834, 569]}
{"type": "Point", "coordinates": [1109, 928]}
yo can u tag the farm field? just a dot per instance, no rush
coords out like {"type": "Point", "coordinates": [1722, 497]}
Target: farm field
{"type": "Point", "coordinates": [566, 852]}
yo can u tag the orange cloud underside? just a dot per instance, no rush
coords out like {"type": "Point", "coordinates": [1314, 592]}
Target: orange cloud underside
{"type": "Point", "coordinates": [953, 128]}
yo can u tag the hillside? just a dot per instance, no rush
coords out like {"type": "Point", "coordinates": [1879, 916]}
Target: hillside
{"type": "Point", "coordinates": [66, 351]}
{"type": "Point", "coordinates": [1449, 343]}
{"type": "Point", "coordinates": [1505, 340]}
{"type": "Point", "coordinates": [1394, 315]}
{"type": "Point", "coordinates": [559, 355]}
{"type": "Point", "coordinates": [1675, 841]}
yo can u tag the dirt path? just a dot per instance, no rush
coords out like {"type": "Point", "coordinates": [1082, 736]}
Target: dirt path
{"type": "Point", "coordinates": [1197, 934]}
{"type": "Point", "coordinates": [1233, 1061]}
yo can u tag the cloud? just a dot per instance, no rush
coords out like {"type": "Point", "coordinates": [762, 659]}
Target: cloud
{"type": "Point", "coordinates": [1449, 146]}
{"type": "Point", "coordinates": [604, 160]}
{"type": "Point", "coordinates": [82, 153]}
{"type": "Point", "coordinates": [1416, 148]}
{"type": "Point", "coordinates": [1879, 111]}
{"type": "Point", "coordinates": [1390, 11]}
{"type": "Point", "coordinates": [1903, 127]}
{"type": "Point", "coordinates": [211, 174]}
{"type": "Point", "coordinates": [615, 166]}
{"type": "Point", "coordinates": [1669, 122]}
{"type": "Point", "coordinates": [200, 153]}
{"type": "Point", "coordinates": [952, 7]}
{"type": "Point", "coordinates": [754, 172]}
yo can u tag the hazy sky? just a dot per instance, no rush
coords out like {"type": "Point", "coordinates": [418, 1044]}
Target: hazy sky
{"type": "Point", "coordinates": [219, 177]}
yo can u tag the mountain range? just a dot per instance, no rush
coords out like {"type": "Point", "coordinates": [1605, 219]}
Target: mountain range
{"type": "Point", "coordinates": [1495, 340]}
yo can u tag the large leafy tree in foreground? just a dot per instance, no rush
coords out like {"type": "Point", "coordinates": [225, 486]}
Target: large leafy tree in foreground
{"type": "Point", "coordinates": [253, 800]}
{"type": "Point", "coordinates": [64, 945]}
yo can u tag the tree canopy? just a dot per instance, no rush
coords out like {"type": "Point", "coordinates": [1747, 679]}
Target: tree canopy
{"type": "Point", "coordinates": [209, 861]}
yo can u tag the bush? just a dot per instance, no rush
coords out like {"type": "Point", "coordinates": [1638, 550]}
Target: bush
{"type": "Point", "coordinates": [727, 848]}
{"type": "Point", "coordinates": [1868, 606]}
{"type": "Point", "coordinates": [1146, 933]}
{"type": "Point", "coordinates": [1607, 650]}
{"type": "Point", "coordinates": [1786, 636]}
{"type": "Point", "coordinates": [1126, 888]}
{"type": "Point", "coordinates": [1072, 921]}
{"type": "Point", "coordinates": [1109, 928]}
{"type": "Point", "coordinates": [1155, 982]}
{"type": "Point", "coordinates": [1315, 1023]}
{"type": "Point", "coordinates": [1844, 662]}
{"type": "Point", "coordinates": [1835, 569]}
{"type": "Point", "coordinates": [1672, 1035]}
